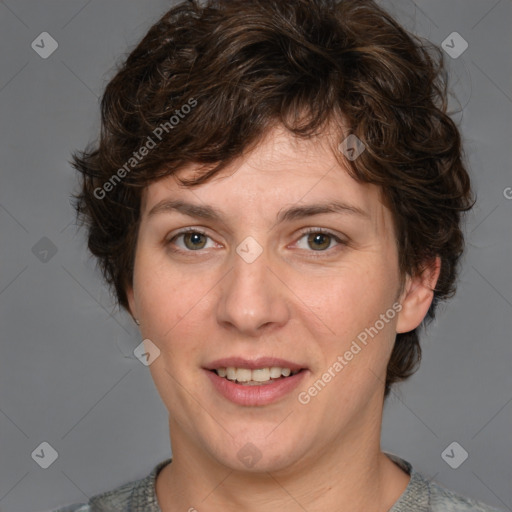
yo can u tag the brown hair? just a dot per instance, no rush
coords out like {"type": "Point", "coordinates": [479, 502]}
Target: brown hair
{"type": "Point", "coordinates": [208, 81]}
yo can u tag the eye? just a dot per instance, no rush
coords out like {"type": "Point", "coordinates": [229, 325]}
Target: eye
{"type": "Point", "coordinates": [192, 240]}
{"type": "Point", "coordinates": [318, 240]}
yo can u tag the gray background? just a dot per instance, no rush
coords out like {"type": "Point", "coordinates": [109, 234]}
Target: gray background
{"type": "Point", "coordinates": [67, 372]}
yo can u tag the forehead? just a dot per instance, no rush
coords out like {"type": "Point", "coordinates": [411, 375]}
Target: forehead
{"type": "Point", "coordinates": [279, 172]}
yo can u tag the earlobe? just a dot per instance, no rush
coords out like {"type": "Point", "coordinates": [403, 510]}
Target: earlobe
{"type": "Point", "coordinates": [417, 296]}
{"type": "Point", "coordinates": [131, 302]}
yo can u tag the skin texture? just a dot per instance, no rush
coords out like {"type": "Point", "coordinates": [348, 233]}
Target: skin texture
{"type": "Point", "coordinates": [201, 305]}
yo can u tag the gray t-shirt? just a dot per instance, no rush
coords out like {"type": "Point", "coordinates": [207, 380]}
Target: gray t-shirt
{"type": "Point", "coordinates": [421, 495]}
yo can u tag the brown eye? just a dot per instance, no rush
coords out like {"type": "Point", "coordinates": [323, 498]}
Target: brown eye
{"type": "Point", "coordinates": [194, 240]}
{"type": "Point", "coordinates": [319, 241]}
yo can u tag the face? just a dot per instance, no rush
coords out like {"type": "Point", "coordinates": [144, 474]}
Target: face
{"type": "Point", "coordinates": [282, 264]}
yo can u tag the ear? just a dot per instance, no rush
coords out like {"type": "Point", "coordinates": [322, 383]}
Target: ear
{"type": "Point", "coordinates": [417, 296]}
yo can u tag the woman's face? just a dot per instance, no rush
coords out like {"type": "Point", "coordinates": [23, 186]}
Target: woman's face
{"type": "Point", "coordinates": [286, 265]}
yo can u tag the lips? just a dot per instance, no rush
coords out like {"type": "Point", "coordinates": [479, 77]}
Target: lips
{"type": "Point", "coordinates": [253, 364]}
{"type": "Point", "coordinates": [254, 382]}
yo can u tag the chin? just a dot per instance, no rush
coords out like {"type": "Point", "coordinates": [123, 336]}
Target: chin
{"type": "Point", "coordinates": [260, 455]}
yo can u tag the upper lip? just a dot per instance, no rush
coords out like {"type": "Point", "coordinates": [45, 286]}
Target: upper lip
{"type": "Point", "coordinates": [253, 364]}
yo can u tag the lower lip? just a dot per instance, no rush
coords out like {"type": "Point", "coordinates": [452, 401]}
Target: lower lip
{"type": "Point", "coordinates": [263, 394]}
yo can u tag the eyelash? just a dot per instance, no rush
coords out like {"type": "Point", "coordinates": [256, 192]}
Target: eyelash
{"type": "Point", "coordinates": [319, 254]}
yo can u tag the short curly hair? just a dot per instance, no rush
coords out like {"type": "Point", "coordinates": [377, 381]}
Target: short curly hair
{"type": "Point", "coordinates": [210, 79]}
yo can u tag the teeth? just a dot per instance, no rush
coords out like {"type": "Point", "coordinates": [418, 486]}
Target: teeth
{"type": "Point", "coordinates": [257, 375]}
{"type": "Point", "coordinates": [261, 374]}
{"type": "Point", "coordinates": [243, 374]}
{"type": "Point", "coordinates": [275, 372]}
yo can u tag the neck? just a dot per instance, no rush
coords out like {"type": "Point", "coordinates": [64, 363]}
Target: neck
{"type": "Point", "coordinates": [350, 474]}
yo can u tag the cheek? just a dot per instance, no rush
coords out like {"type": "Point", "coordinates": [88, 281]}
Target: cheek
{"type": "Point", "coordinates": [350, 297]}
{"type": "Point", "coordinates": [166, 294]}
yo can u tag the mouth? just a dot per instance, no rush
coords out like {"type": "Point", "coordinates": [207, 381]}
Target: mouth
{"type": "Point", "coordinates": [256, 376]}
{"type": "Point", "coordinates": [255, 382]}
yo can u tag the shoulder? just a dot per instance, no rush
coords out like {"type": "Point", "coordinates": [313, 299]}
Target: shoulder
{"type": "Point", "coordinates": [445, 500]}
{"type": "Point", "coordinates": [423, 495]}
{"type": "Point", "coordinates": [134, 495]}
{"type": "Point", "coordinates": [77, 507]}
{"type": "Point", "coordinates": [117, 499]}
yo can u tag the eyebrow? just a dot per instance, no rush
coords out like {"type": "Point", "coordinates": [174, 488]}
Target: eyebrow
{"type": "Point", "coordinates": [287, 215]}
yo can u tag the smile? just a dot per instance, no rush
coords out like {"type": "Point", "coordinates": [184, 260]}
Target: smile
{"type": "Point", "coordinates": [264, 383]}
{"type": "Point", "coordinates": [255, 377]}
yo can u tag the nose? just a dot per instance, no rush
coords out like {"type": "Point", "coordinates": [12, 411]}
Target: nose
{"type": "Point", "coordinates": [252, 301]}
